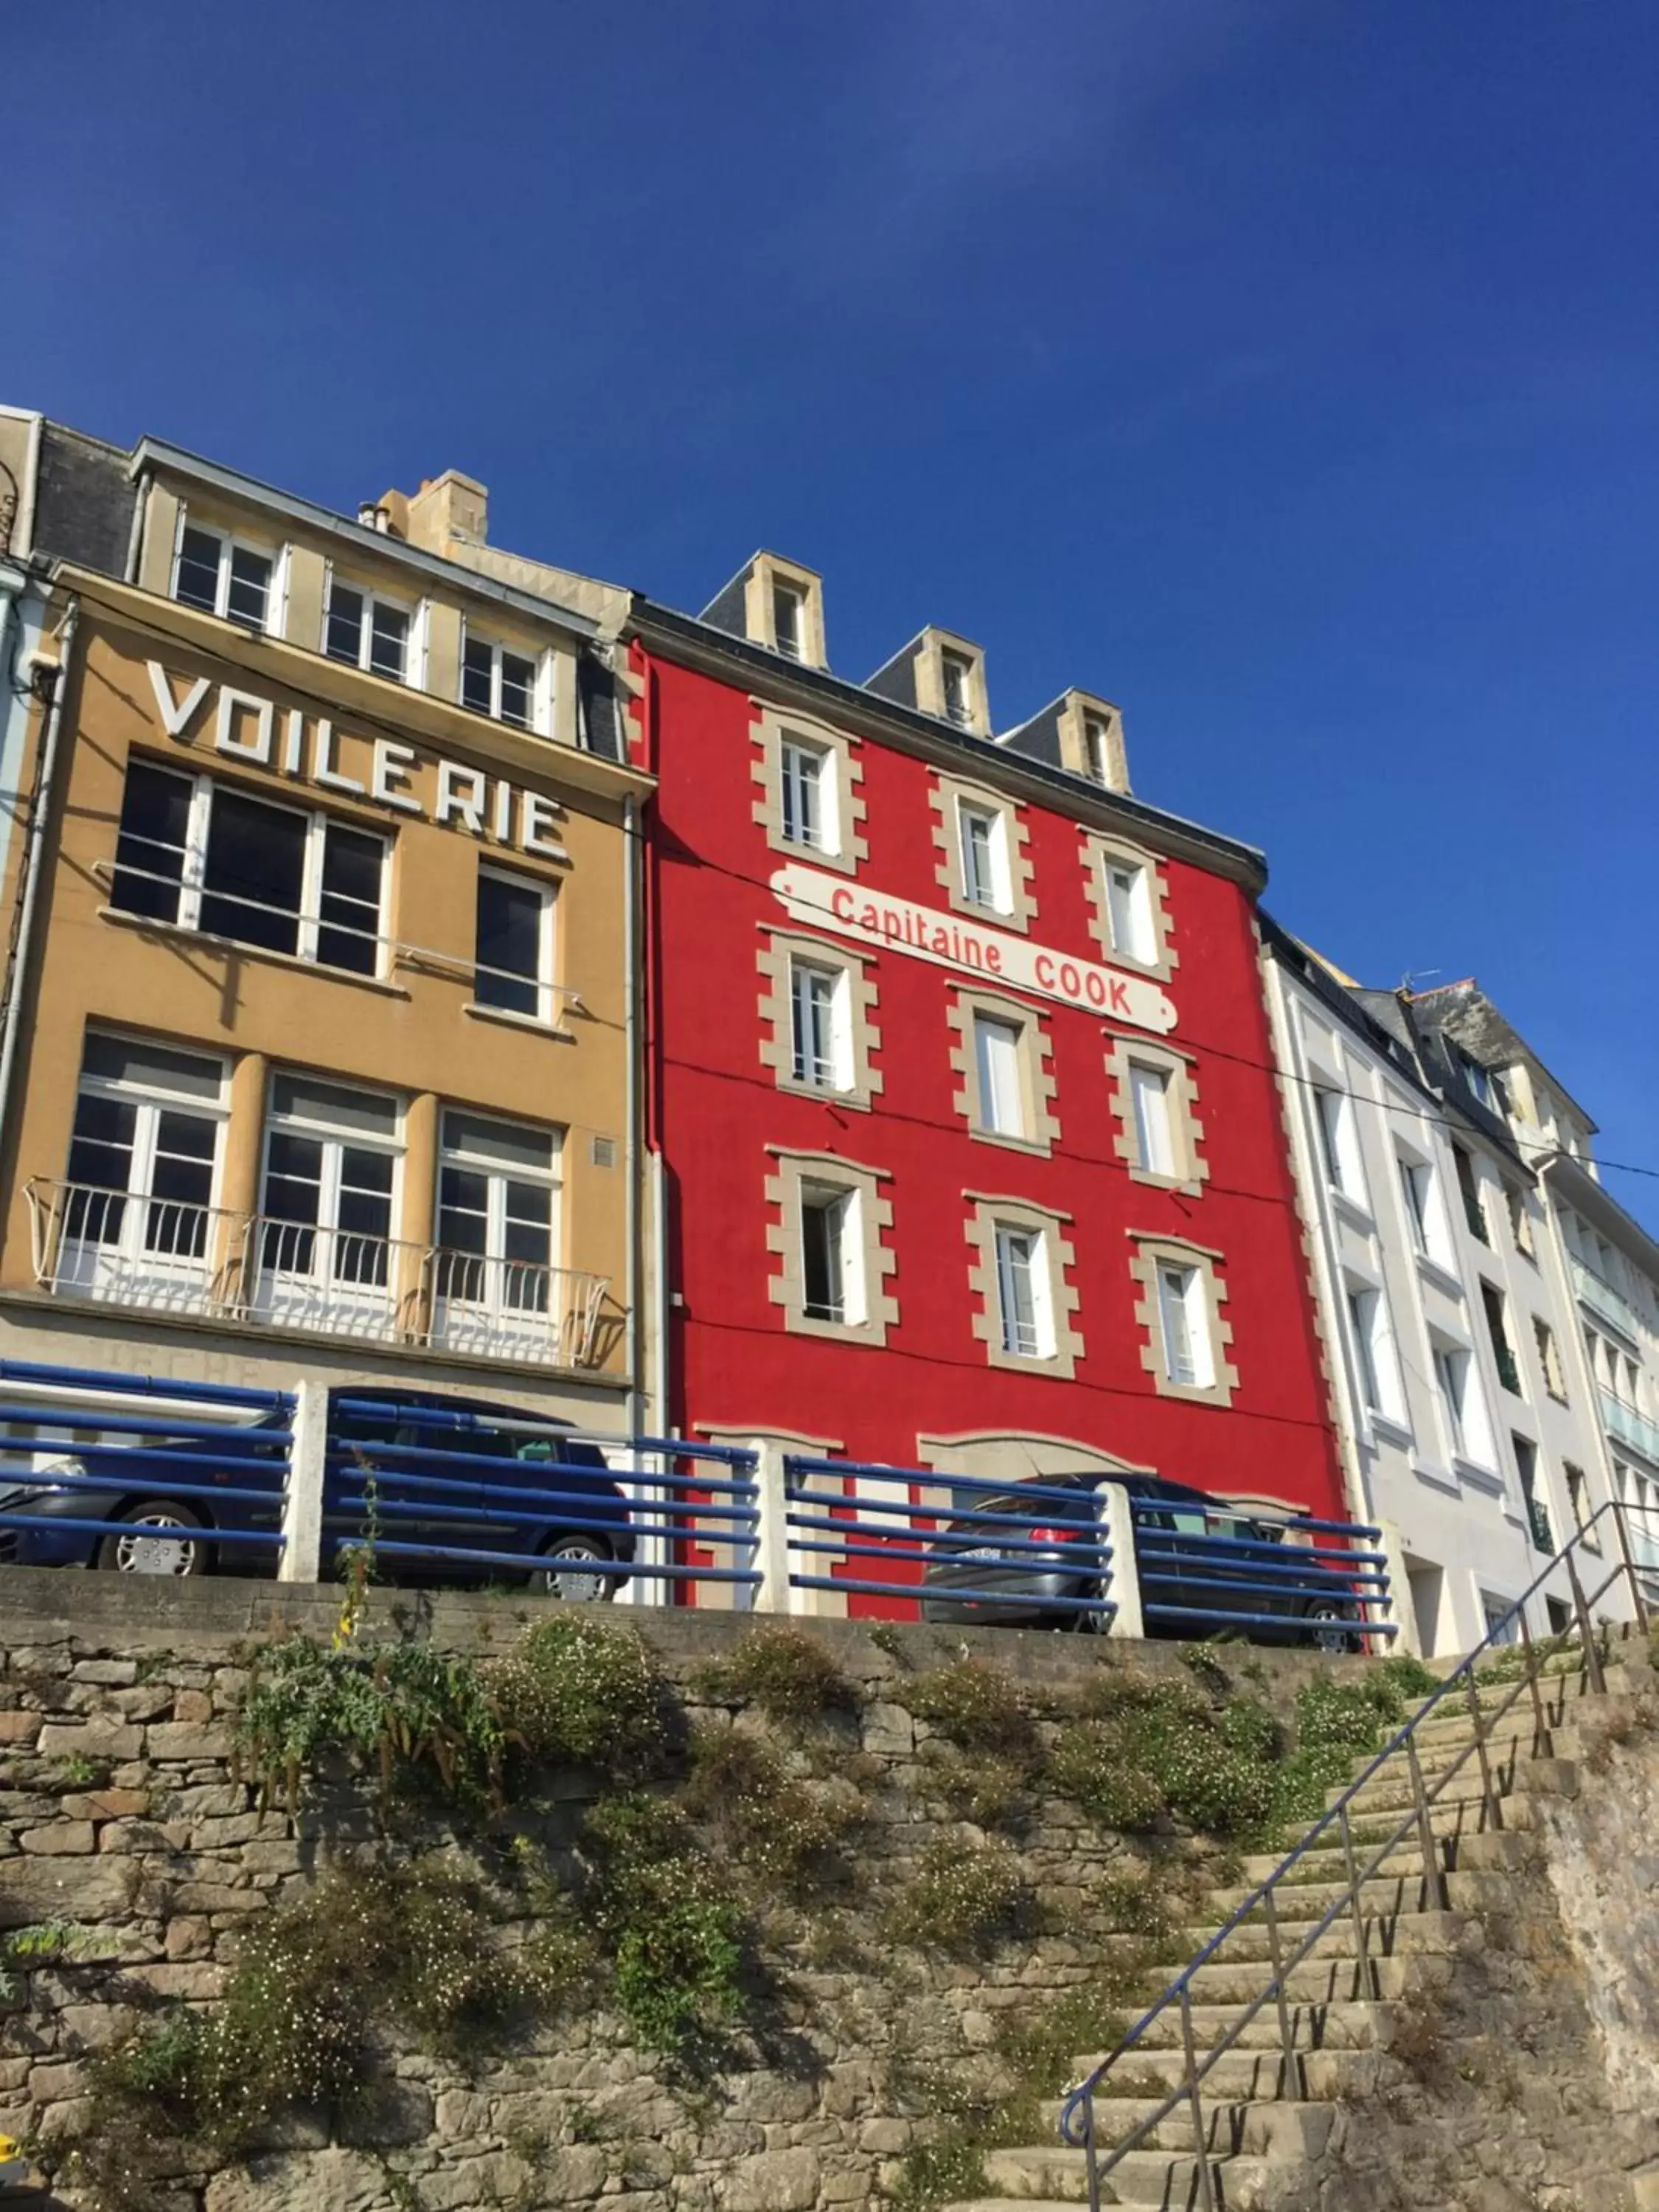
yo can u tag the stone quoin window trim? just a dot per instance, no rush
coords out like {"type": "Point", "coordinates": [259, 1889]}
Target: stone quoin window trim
{"type": "Point", "coordinates": [1187, 1171]}
{"type": "Point", "coordinates": [1039, 1125]}
{"type": "Point", "coordinates": [949, 796]}
{"type": "Point", "coordinates": [781, 953]}
{"type": "Point", "coordinates": [1155, 955]}
{"type": "Point", "coordinates": [1155, 1255]}
{"type": "Point", "coordinates": [989, 1212]}
{"type": "Point", "coordinates": [845, 846]}
{"type": "Point", "coordinates": [796, 1177]}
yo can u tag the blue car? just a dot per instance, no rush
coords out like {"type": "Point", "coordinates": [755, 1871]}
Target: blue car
{"type": "Point", "coordinates": [568, 1548]}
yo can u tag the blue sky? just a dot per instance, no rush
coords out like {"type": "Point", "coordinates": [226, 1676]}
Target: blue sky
{"type": "Point", "coordinates": [1285, 372]}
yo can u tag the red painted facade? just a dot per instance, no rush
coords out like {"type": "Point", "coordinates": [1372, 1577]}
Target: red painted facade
{"type": "Point", "coordinates": [715, 1107]}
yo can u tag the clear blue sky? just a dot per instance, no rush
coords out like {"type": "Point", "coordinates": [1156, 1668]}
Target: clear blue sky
{"type": "Point", "coordinates": [1285, 371]}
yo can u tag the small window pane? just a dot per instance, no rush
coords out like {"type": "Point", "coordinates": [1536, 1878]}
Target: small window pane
{"type": "Point", "coordinates": [388, 642]}
{"type": "Point", "coordinates": [345, 624]}
{"type": "Point", "coordinates": [1149, 1093]}
{"type": "Point", "coordinates": [803, 795]}
{"type": "Point", "coordinates": [349, 908]}
{"type": "Point", "coordinates": [996, 1046]}
{"type": "Point", "coordinates": [508, 1144]}
{"type": "Point", "coordinates": [255, 869]}
{"type": "Point", "coordinates": [301, 1097]}
{"type": "Point", "coordinates": [100, 1151]}
{"type": "Point", "coordinates": [518, 689]}
{"type": "Point", "coordinates": [477, 664]}
{"type": "Point", "coordinates": [464, 1212]}
{"type": "Point", "coordinates": [824, 1217]}
{"type": "Point", "coordinates": [149, 851]}
{"type": "Point", "coordinates": [199, 570]}
{"type": "Point", "coordinates": [510, 935]}
{"type": "Point", "coordinates": [152, 1066]}
{"type": "Point", "coordinates": [1017, 1292]}
{"type": "Point", "coordinates": [250, 587]}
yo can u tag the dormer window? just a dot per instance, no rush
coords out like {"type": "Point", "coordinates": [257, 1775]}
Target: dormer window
{"type": "Point", "coordinates": [789, 620]}
{"type": "Point", "coordinates": [1096, 745]}
{"type": "Point", "coordinates": [222, 578]}
{"type": "Point", "coordinates": [366, 631]}
{"type": "Point", "coordinates": [497, 682]}
{"type": "Point", "coordinates": [956, 680]}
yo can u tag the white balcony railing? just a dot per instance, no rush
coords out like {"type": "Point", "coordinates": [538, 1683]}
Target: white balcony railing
{"type": "Point", "coordinates": [159, 1256]}
{"type": "Point", "coordinates": [1599, 1296]}
{"type": "Point", "coordinates": [1630, 1427]}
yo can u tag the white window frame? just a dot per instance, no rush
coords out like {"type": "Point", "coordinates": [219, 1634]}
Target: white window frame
{"type": "Point", "coordinates": [1001, 1082]}
{"type": "Point", "coordinates": [191, 887]}
{"type": "Point", "coordinates": [1098, 748]}
{"type": "Point", "coordinates": [373, 600]}
{"type": "Point", "coordinates": [230, 543]}
{"type": "Point", "coordinates": [1339, 1147]}
{"type": "Point", "coordinates": [957, 711]}
{"type": "Point", "coordinates": [1374, 1359]}
{"type": "Point", "coordinates": [546, 946]}
{"type": "Point", "coordinates": [1424, 1204]}
{"type": "Point", "coordinates": [502, 1319]}
{"type": "Point", "coordinates": [540, 664]}
{"type": "Point", "coordinates": [794, 753]}
{"type": "Point", "coordinates": [1000, 885]}
{"type": "Point", "coordinates": [1127, 894]}
{"type": "Point", "coordinates": [129, 1259]}
{"type": "Point", "coordinates": [1017, 1244]}
{"type": "Point", "coordinates": [351, 1301]}
{"type": "Point", "coordinates": [786, 593]}
{"type": "Point", "coordinates": [1181, 1293]}
{"type": "Point", "coordinates": [837, 1062]}
{"type": "Point", "coordinates": [845, 1201]}
{"type": "Point", "coordinates": [1155, 1135]}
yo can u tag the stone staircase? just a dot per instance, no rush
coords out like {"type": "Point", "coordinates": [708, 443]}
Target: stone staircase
{"type": "Point", "coordinates": [1267, 2118]}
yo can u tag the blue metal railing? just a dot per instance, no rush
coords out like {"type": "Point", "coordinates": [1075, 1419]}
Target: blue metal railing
{"type": "Point", "coordinates": [939, 1539]}
{"type": "Point", "coordinates": [226, 1475]}
{"type": "Point", "coordinates": [501, 1494]}
{"type": "Point", "coordinates": [1192, 1578]}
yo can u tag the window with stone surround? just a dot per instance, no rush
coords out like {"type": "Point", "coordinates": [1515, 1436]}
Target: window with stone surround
{"type": "Point", "coordinates": [829, 1266]}
{"type": "Point", "coordinates": [1002, 1056]}
{"type": "Point", "coordinates": [1154, 1097]}
{"type": "Point", "coordinates": [817, 1018]}
{"type": "Point", "coordinates": [982, 866]}
{"type": "Point", "coordinates": [1184, 1338]}
{"type": "Point", "coordinates": [1025, 1304]}
{"type": "Point", "coordinates": [1128, 905]}
{"type": "Point", "coordinates": [808, 778]}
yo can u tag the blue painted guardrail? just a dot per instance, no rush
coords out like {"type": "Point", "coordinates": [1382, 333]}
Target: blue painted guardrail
{"type": "Point", "coordinates": [122, 1446]}
{"type": "Point", "coordinates": [1300, 1570]}
{"type": "Point", "coordinates": [955, 1543]}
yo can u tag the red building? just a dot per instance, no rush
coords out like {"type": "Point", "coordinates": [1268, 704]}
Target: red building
{"type": "Point", "coordinates": [960, 1081]}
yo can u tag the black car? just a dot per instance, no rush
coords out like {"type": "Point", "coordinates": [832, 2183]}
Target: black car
{"type": "Point", "coordinates": [1185, 1581]}
{"type": "Point", "coordinates": [172, 1534]}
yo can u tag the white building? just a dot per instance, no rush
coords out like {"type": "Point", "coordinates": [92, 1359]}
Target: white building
{"type": "Point", "coordinates": [1468, 1421]}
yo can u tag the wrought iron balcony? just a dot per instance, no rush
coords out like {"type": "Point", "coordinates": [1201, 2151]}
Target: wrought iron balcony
{"type": "Point", "coordinates": [161, 1257]}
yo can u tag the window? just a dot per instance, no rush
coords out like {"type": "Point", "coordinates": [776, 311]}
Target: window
{"type": "Point", "coordinates": [1451, 1375]}
{"type": "Point", "coordinates": [1538, 1512]}
{"type": "Point", "coordinates": [1474, 1213]}
{"type": "Point", "coordinates": [1098, 748]}
{"type": "Point", "coordinates": [984, 857]}
{"type": "Point", "coordinates": [1024, 1307]}
{"type": "Point", "coordinates": [1422, 1209]}
{"type": "Point", "coordinates": [1373, 1352]}
{"type": "Point", "coordinates": [830, 1288]}
{"type": "Point", "coordinates": [224, 578]}
{"type": "Point", "coordinates": [366, 631]}
{"type": "Point", "coordinates": [1184, 1327]}
{"type": "Point", "coordinates": [1149, 1096]}
{"type": "Point", "coordinates": [1486, 1084]}
{"type": "Point", "coordinates": [497, 1232]}
{"type": "Point", "coordinates": [497, 682]}
{"type": "Point", "coordinates": [1498, 1327]}
{"type": "Point", "coordinates": [789, 620]}
{"type": "Point", "coordinates": [514, 967]}
{"type": "Point", "coordinates": [142, 1163]}
{"type": "Point", "coordinates": [206, 856]}
{"type": "Point", "coordinates": [820, 1038]}
{"type": "Point", "coordinates": [1336, 1143]}
{"type": "Point", "coordinates": [1129, 911]}
{"type": "Point", "coordinates": [956, 678]}
{"type": "Point", "coordinates": [807, 796]}
{"type": "Point", "coordinates": [330, 1170]}
{"type": "Point", "coordinates": [996, 1062]}
{"type": "Point", "coordinates": [1520, 1220]}
{"type": "Point", "coordinates": [1549, 1360]}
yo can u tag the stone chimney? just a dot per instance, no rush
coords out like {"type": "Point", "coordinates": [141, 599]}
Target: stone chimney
{"type": "Point", "coordinates": [449, 509]}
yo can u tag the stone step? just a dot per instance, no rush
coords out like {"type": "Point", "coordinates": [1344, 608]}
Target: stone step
{"type": "Point", "coordinates": [1388, 1935]}
{"type": "Point", "coordinates": [1271, 2127]}
{"type": "Point", "coordinates": [1461, 1798]}
{"type": "Point", "coordinates": [1336, 1980]}
{"type": "Point", "coordinates": [1240, 2075]}
{"type": "Point", "coordinates": [1298, 1902]}
{"type": "Point", "coordinates": [1332, 2024]}
{"type": "Point", "coordinates": [1325, 1862]}
{"type": "Point", "coordinates": [1141, 2177]}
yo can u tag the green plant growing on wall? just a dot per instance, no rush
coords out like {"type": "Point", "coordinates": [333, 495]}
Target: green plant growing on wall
{"type": "Point", "coordinates": [675, 1934]}
{"type": "Point", "coordinates": [43, 1943]}
{"type": "Point", "coordinates": [576, 1692]}
{"type": "Point", "coordinates": [961, 1898]}
{"type": "Point", "coordinates": [976, 1705]}
{"type": "Point", "coordinates": [791, 1833]}
{"type": "Point", "coordinates": [787, 1674]}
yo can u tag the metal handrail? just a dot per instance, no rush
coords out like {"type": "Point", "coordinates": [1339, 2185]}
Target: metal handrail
{"type": "Point", "coordinates": [1077, 2123]}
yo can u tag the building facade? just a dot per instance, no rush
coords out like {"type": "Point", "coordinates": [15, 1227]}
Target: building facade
{"type": "Point", "coordinates": [1468, 1422]}
{"type": "Point", "coordinates": [962, 1090]}
{"type": "Point", "coordinates": [320, 1039]}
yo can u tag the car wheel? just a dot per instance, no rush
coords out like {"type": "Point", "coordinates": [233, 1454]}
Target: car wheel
{"type": "Point", "coordinates": [1091, 1620]}
{"type": "Point", "coordinates": [160, 1542]}
{"type": "Point", "coordinates": [563, 1577]}
{"type": "Point", "coordinates": [1329, 1626]}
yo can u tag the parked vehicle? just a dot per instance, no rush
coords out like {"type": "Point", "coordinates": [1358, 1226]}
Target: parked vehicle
{"type": "Point", "coordinates": [1182, 1577]}
{"type": "Point", "coordinates": [169, 1534]}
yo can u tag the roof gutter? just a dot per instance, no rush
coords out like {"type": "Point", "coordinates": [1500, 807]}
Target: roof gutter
{"type": "Point", "coordinates": [817, 691]}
